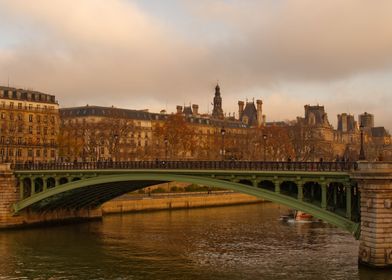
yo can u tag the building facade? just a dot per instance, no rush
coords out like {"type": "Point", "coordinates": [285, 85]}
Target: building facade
{"type": "Point", "coordinates": [29, 126]}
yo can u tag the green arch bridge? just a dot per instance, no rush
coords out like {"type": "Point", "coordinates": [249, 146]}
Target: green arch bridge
{"type": "Point", "coordinates": [323, 190]}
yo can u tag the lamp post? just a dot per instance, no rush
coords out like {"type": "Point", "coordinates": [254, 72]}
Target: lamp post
{"type": "Point", "coordinates": [7, 143]}
{"type": "Point", "coordinates": [265, 147]}
{"type": "Point", "coordinates": [223, 132]}
{"type": "Point", "coordinates": [362, 151]}
{"type": "Point", "coordinates": [166, 141]}
{"type": "Point", "coordinates": [115, 146]}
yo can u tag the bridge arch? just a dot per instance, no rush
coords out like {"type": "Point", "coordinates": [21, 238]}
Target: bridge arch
{"type": "Point", "coordinates": [266, 185]}
{"type": "Point", "coordinates": [151, 178]}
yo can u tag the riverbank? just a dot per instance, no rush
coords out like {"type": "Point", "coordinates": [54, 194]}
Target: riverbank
{"type": "Point", "coordinates": [169, 201]}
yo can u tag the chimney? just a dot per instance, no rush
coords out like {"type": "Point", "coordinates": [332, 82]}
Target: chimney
{"type": "Point", "coordinates": [195, 109]}
{"type": "Point", "coordinates": [240, 109]}
{"type": "Point", "coordinates": [259, 104]}
{"type": "Point", "coordinates": [179, 109]}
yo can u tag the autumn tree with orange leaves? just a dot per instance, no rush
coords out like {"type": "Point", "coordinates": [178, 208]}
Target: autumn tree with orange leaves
{"type": "Point", "coordinates": [176, 138]}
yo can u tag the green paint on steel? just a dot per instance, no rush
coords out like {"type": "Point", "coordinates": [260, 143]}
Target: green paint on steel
{"type": "Point", "coordinates": [208, 181]}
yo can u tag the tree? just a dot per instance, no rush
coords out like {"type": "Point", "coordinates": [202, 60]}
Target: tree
{"type": "Point", "coordinates": [176, 138]}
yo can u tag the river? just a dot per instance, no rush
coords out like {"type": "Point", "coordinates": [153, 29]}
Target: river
{"type": "Point", "coordinates": [236, 242]}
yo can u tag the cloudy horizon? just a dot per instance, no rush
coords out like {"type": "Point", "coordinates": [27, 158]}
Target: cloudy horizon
{"type": "Point", "coordinates": [154, 55]}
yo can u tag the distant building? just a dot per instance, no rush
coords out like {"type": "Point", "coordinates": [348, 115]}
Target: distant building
{"type": "Point", "coordinates": [346, 123]}
{"type": "Point", "coordinates": [29, 126]}
{"type": "Point", "coordinates": [366, 120]}
{"type": "Point", "coordinates": [250, 114]}
{"type": "Point", "coordinates": [316, 116]}
{"type": "Point", "coordinates": [188, 110]}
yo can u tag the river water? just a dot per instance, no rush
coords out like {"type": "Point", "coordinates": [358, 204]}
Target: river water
{"type": "Point", "coordinates": [236, 242]}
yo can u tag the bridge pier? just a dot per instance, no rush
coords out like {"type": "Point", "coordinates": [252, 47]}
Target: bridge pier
{"type": "Point", "coordinates": [375, 185]}
{"type": "Point", "coordinates": [9, 194]}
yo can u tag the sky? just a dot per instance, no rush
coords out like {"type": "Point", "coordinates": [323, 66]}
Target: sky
{"type": "Point", "coordinates": [149, 54]}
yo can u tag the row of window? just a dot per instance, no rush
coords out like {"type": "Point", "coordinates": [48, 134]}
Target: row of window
{"type": "Point", "coordinates": [30, 153]}
{"type": "Point", "coordinates": [19, 117]}
{"type": "Point", "coordinates": [19, 129]}
{"type": "Point", "coordinates": [30, 107]}
{"type": "Point", "coordinates": [29, 141]}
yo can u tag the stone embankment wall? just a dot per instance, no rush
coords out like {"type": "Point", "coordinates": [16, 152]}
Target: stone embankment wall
{"type": "Point", "coordinates": [176, 201]}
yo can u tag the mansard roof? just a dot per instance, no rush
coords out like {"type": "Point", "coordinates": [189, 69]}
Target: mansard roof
{"type": "Point", "coordinates": [26, 95]}
{"type": "Point", "coordinates": [379, 132]}
{"type": "Point", "coordinates": [86, 111]}
{"type": "Point", "coordinates": [250, 112]}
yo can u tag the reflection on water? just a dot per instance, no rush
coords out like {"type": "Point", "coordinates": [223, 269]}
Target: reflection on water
{"type": "Point", "coordinates": [239, 242]}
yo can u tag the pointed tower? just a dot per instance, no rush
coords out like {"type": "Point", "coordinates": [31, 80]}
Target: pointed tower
{"type": "Point", "coordinates": [217, 112]}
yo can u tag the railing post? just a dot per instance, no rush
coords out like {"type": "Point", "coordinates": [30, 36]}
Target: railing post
{"type": "Point", "coordinates": [324, 195]}
{"type": "Point", "coordinates": [21, 188]}
{"type": "Point", "coordinates": [348, 200]}
{"type": "Point", "coordinates": [277, 185]}
{"type": "Point", "coordinates": [44, 184]}
{"type": "Point", "coordinates": [32, 185]}
{"type": "Point", "coordinates": [300, 186]}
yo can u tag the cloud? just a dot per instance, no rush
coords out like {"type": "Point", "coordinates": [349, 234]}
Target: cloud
{"type": "Point", "coordinates": [98, 48]}
{"type": "Point", "coordinates": [119, 52]}
{"type": "Point", "coordinates": [303, 39]}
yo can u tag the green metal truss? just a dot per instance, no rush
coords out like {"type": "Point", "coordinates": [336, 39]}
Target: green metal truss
{"type": "Point", "coordinates": [222, 179]}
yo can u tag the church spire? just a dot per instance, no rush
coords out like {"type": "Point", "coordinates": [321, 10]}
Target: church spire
{"type": "Point", "coordinates": [217, 112]}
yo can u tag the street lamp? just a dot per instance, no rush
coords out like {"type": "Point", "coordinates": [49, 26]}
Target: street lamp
{"type": "Point", "coordinates": [362, 151]}
{"type": "Point", "coordinates": [265, 147]}
{"type": "Point", "coordinates": [166, 141]}
{"type": "Point", "coordinates": [115, 146]}
{"type": "Point", "coordinates": [223, 132]}
{"type": "Point", "coordinates": [7, 142]}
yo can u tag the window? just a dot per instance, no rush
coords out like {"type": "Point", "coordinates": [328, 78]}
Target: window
{"type": "Point", "coordinates": [38, 153]}
{"type": "Point", "coordinates": [30, 106]}
{"type": "Point", "coordinates": [20, 117]}
{"type": "Point", "coordinates": [38, 129]}
{"type": "Point", "coordinates": [52, 153]}
{"type": "Point", "coordinates": [3, 115]}
{"type": "Point", "coordinates": [38, 118]}
{"type": "Point", "coordinates": [38, 141]}
{"type": "Point", "coordinates": [30, 118]}
{"type": "Point", "coordinates": [20, 128]}
{"type": "Point", "coordinates": [45, 131]}
{"type": "Point", "coordinates": [30, 129]}
{"type": "Point", "coordinates": [19, 106]}
{"type": "Point", "coordinates": [30, 153]}
{"type": "Point", "coordinates": [11, 116]}
{"type": "Point", "coordinates": [20, 141]}
{"type": "Point", "coordinates": [11, 105]}
{"type": "Point", "coordinates": [19, 152]}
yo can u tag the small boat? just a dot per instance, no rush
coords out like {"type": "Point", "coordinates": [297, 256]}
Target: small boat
{"type": "Point", "coordinates": [295, 216]}
{"type": "Point", "coordinates": [302, 216]}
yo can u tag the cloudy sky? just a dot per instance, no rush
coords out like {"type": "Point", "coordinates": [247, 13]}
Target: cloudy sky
{"type": "Point", "coordinates": [157, 54]}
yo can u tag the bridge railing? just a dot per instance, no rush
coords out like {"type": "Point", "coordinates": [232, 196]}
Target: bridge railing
{"type": "Point", "coordinates": [198, 165]}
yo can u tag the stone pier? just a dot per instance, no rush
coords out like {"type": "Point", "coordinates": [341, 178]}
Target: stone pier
{"type": "Point", "coordinates": [9, 194]}
{"type": "Point", "coordinates": [375, 186]}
